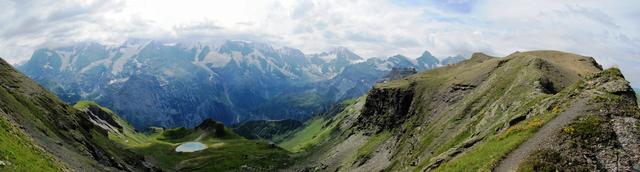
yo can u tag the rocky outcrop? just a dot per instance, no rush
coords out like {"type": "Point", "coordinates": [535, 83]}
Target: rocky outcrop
{"type": "Point", "coordinates": [605, 136]}
{"type": "Point", "coordinates": [105, 121]}
{"type": "Point", "coordinates": [385, 108]}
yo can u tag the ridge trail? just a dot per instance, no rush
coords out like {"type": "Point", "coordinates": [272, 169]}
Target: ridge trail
{"type": "Point", "coordinates": [514, 158]}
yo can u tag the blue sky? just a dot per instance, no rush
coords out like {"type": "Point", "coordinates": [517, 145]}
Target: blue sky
{"type": "Point", "coordinates": [608, 31]}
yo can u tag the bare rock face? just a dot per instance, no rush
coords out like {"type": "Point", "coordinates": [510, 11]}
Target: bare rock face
{"type": "Point", "coordinates": [103, 119]}
{"type": "Point", "coordinates": [386, 108]}
{"type": "Point", "coordinates": [617, 87]}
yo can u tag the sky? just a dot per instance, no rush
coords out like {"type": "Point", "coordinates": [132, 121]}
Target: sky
{"type": "Point", "coordinates": [609, 31]}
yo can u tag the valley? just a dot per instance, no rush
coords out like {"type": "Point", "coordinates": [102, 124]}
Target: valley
{"type": "Point", "coordinates": [220, 148]}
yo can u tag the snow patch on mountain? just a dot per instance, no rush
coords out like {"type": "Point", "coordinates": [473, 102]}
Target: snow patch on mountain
{"type": "Point", "coordinates": [127, 52]}
{"type": "Point", "coordinates": [118, 81]}
{"type": "Point", "coordinates": [65, 58]}
{"type": "Point", "coordinates": [328, 57]}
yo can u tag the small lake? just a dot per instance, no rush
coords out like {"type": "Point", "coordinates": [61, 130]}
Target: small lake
{"type": "Point", "coordinates": [190, 147]}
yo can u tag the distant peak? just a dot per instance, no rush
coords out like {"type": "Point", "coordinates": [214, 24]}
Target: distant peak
{"type": "Point", "coordinates": [339, 52]}
{"type": "Point", "coordinates": [426, 53]}
{"type": "Point", "coordinates": [399, 56]}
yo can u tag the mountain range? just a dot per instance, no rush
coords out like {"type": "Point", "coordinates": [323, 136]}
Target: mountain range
{"type": "Point", "coordinates": [151, 83]}
{"type": "Point", "coordinates": [528, 111]}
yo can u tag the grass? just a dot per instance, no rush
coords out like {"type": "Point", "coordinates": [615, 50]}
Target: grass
{"type": "Point", "coordinates": [227, 153]}
{"type": "Point", "coordinates": [486, 155]}
{"type": "Point", "coordinates": [366, 151]}
{"type": "Point", "coordinates": [222, 154]}
{"type": "Point", "coordinates": [319, 129]}
{"type": "Point", "coordinates": [585, 134]}
{"type": "Point", "coordinates": [585, 127]}
{"type": "Point", "coordinates": [21, 152]}
{"type": "Point", "coordinates": [313, 133]}
{"type": "Point", "coordinates": [85, 104]}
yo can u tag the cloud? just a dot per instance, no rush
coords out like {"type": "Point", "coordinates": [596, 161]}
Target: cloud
{"type": "Point", "coordinates": [606, 30]}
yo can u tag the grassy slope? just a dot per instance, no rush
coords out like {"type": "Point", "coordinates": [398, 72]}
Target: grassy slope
{"type": "Point", "coordinates": [502, 89]}
{"type": "Point", "coordinates": [317, 130]}
{"type": "Point", "coordinates": [22, 154]}
{"type": "Point", "coordinates": [230, 152]}
{"type": "Point", "coordinates": [311, 134]}
{"type": "Point", "coordinates": [47, 122]}
{"type": "Point", "coordinates": [482, 113]}
{"type": "Point", "coordinates": [484, 156]}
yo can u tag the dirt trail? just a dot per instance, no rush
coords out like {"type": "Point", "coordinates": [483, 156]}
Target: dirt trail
{"type": "Point", "coordinates": [543, 136]}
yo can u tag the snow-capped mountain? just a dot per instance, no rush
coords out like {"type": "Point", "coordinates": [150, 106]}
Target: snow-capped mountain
{"type": "Point", "coordinates": [169, 85]}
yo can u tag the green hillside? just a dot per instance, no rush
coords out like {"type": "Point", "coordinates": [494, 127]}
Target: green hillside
{"type": "Point", "coordinates": [40, 133]}
{"type": "Point", "coordinates": [480, 114]}
{"type": "Point", "coordinates": [49, 132]}
{"type": "Point", "coordinates": [225, 150]}
{"type": "Point", "coordinates": [19, 153]}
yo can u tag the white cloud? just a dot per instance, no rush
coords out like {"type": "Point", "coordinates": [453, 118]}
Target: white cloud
{"type": "Point", "coordinates": [605, 30]}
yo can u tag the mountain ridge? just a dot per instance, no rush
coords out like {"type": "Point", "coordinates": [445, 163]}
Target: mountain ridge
{"type": "Point", "coordinates": [471, 114]}
{"type": "Point", "coordinates": [235, 76]}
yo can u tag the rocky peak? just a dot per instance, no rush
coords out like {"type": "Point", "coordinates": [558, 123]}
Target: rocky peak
{"type": "Point", "coordinates": [343, 52]}
{"type": "Point", "coordinates": [427, 60]}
